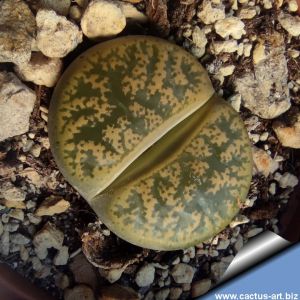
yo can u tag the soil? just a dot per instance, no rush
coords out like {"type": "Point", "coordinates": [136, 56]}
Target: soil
{"type": "Point", "coordinates": [168, 19]}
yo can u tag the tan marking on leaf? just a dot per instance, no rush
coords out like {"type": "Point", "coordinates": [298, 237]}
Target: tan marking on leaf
{"type": "Point", "coordinates": [113, 135]}
{"type": "Point", "coordinates": [189, 192]}
{"type": "Point", "coordinates": [198, 147]}
{"type": "Point", "coordinates": [199, 168]}
{"type": "Point", "coordinates": [137, 109]}
{"type": "Point", "coordinates": [217, 182]}
{"type": "Point", "coordinates": [153, 120]}
{"type": "Point", "coordinates": [130, 138]}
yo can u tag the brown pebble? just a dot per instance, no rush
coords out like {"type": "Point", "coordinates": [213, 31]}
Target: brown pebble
{"type": "Point", "coordinates": [117, 292]}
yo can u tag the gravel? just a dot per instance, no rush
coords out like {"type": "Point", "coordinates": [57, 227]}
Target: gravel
{"type": "Point", "coordinates": [145, 275]}
{"type": "Point", "coordinates": [1, 228]}
{"type": "Point", "coordinates": [17, 29]}
{"type": "Point", "coordinates": [162, 294]}
{"type": "Point", "coordinates": [48, 237]}
{"type": "Point", "coordinates": [17, 214]}
{"type": "Point", "coordinates": [290, 23]}
{"type": "Point", "coordinates": [239, 243]}
{"type": "Point", "coordinates": [209, 12]}
{"type": "Point", "coordinates": [83, 271]}
{"type": "Point", "coordinates": [289, 136]}
{"type": "Point", "coordinates": [175, 293]}
{"type": "Point", "coordinates": [263, 162]}
{"type": "Point", "coordinates": [61, 258]}
{"type": "Point", "coordinates": [231, 26]}
{"type": "Point", "coordinates": [79, 292]}
{"type": "Point", "coordinates": [103, 18]}
{"type": "Point", "coordinates": [263, 92]}
{"type": "Point", "coordinates": [218, 269]}
{"type": "Point", "coordinates": [253, 232]}
{"type": "Point", "coordinates": [16, 104]}
{"type": "Point", "coordinates": [40, 70]}
{"type": "Point", "coordinates": [200, 287]}
{"type": "Point", "coordinates": [288, 180]}
{"type": "Point", "coordinates": [52, 29]}
{"type": "Point", "coordinates": [19, 239]}
{"type": "Point", "coordinates": [240, 45]}
{"type": "Point", "coordinates": [52, 205]}
{"type": "Point", "coordinates": [182, 273]}
{"type": "Point", "coordinates": [61, 7]}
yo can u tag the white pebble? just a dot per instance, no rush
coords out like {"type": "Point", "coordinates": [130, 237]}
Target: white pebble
{"type": "Point", "coordinates": [277, 176]}
{"type": "Point", "coordinates": [250, 201]}
{"type": "Point", "coordinates": [254, 137]}
{"type": "Point", "coordinates": [102, 18]}
{"type": "Point", "coordinates": [272, 188]}
{"type": "Point", "coordinates": [238, 220]}
{"type": "Point", "coordinates": [19, 239]}
{"type": "Point", "coordinates": [290, 23]}
{"type": "Point", "coordinates": [234, 5]}
{"type": "Point", "coordinates": [223, 244]}
{"type": "Point", "coordinates": [40, 69]}
{"type": "Point", "coordinates": [17, 214]}
{"type": "Point", "coordinates": [24, 254]}
{"type": "Point", "coordinates": [185, 258]}
{"type": "Point", "coordinates": [145, 275]}
{"type": "Point", "coordinates": [36, 150]}
{"type": "Point", "coordinates": [267, 4]}
{"type": "Point", "coordinates": [199, 38]}
{"type": "Point", "coordinates": [228, 46]}
{"type": "Point", "coordinates": [231, 26]}
{"type": "Point", "coordinates": [293, 53]}
{"type": "Point", "coordinates": [236, 231]}
{"type": "Point", "coordinates": [5, 218]}
{"type": "Point", "coordinates": [239, 243]}
{"type": "Point", "coordinates": [253, 232]}
{"type": "Point", "coordinates": [183, 273]}
{"type": "Point", "coordinates": [279, 158]}
{"type": "Point", "coordinates": [210, 13]}
{"type": "Point", "coordinates": [56, 36]}
{"type": "Point", "coordinates": [288, 180]}
{"type": "Point", "coordinates": [247, 49]}
{"type": "Point", "coordinates": [227, 70]}
{"type": "Point", "coordinates": [293, 5]}
{"type": "Point", "coordinates": [263, 162]}
{"type": "Point", "coordinates": [264, 136]}
{"type": "Point", "coordinates": [247, 13]}
{"type": "Point", "coordinates": [190, 252]}
{"type": "Point", "coordinates": [236, 101]}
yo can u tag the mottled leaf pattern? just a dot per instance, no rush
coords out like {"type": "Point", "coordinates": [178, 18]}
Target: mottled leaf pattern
{"type": "Point", "coordinates": [133, 130]}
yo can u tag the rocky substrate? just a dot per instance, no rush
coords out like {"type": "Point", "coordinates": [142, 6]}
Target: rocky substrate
{"type": "Point", "coordinates": [48, 232]}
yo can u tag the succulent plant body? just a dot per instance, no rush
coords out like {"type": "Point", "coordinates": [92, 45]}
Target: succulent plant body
{"type": "Point", "coordinates": [136, 128]}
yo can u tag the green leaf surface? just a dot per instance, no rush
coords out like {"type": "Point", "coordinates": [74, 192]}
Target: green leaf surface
{"type": "Point", "coordinates": [135, 128]}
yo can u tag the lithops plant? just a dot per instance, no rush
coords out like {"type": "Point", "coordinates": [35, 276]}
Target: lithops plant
{"type": "Point", "coordinates": [136, 128]}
